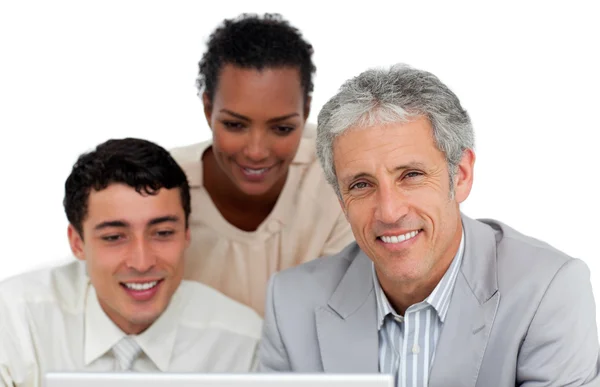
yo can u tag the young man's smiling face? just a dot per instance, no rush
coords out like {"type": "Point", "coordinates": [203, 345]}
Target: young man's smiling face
{"type": "Point", "coordinates": [133, 244]}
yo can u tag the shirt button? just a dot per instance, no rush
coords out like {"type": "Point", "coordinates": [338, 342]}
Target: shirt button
{"type": "Point", "coordinates": [398, 319]}
{"type": "Point", "coordinates": [416, 349]}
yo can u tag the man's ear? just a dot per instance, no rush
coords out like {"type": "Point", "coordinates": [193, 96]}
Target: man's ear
{"type": "Point", "coordinates": [463, 181]}
{"type": "Point", "coordinates": [76, 242]}
{"type": "Point", "coordinates": [188, 237]}
{"type": "Point", "coordinates": [207, 109]}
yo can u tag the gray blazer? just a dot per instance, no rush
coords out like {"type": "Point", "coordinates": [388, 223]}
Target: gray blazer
{"type": "Point", "coordinates": [521, 314]}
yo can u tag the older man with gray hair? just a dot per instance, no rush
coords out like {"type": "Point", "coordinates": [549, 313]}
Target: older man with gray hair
{"type": "Point", "coordinates": [425, 293]}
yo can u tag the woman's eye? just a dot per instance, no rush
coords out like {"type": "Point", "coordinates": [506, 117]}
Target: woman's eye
{"type": "Point", "coordinates": [232, 125]}
{"type": "Point", "coordinates": [283, 130]}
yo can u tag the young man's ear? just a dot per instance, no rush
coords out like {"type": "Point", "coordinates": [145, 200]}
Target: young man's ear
{"type": "Point", "coordinates": [188, 237]}
{"type": "Point", "coordinates": [76, 242]}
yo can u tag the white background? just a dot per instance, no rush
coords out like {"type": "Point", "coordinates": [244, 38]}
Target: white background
{"type": "Point", "coordinates": [76, 73]}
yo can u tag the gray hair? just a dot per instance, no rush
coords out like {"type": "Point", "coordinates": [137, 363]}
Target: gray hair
{"type": "Point", "coordinates": [397, 94]}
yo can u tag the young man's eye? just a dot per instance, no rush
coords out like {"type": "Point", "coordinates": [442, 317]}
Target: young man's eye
{"type": "Point", "coordinates": [165, 233]}
{"type": "Point", "coordinates": [111, 238]}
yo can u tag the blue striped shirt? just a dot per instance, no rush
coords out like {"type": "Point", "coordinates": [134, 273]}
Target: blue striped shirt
{"type": "Point", "coordinates": [407, 343]}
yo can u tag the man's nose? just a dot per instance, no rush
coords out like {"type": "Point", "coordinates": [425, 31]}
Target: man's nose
{"type": "Point", "coordinates": [142, 258]}
{"type": "Point", "coordinates": [392, 204]}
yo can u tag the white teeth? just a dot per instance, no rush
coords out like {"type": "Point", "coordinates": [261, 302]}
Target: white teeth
{"type": "Point", "coordinates": [399, 238]}
{"type": "Point", "coordinates": [142, 285]}
{"type": "Point", "coordinates": [255, 171]}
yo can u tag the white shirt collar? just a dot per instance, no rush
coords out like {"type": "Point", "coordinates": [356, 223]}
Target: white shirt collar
{"type": "Point", "coordinates": [157, 342]}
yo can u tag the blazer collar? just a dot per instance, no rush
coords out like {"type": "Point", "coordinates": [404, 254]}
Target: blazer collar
{"type": "Point", "coordinates": [472, 311]}
{"type": "Point", "coordinates": [479, 266]}
{"type": "Point", "coordinates": [347, 325]}
{"type": "Point", "coordinates": [356, 285]}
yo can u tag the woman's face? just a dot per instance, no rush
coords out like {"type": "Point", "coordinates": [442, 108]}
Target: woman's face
{"type": "Point", "coordinates": [256, 119]}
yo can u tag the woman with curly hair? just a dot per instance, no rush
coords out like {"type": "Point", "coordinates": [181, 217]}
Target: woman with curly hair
{"type": "Point", "coordinates": [260, 201]}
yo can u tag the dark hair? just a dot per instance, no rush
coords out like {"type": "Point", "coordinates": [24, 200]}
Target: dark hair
{"type": "Point", "coordinates": [255, 42]}
{"type": "Point", "coordinates": [140, 164]}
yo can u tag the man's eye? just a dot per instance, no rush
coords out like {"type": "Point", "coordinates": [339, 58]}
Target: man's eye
{"type": "Point", "coordinates": [165, 233]}
{"type": "Point", "coordinates": [111, 238]}
{"type": "Point", "coordinates": [413, 174]}
{"type": "Point", "coordinates": [359, 185]}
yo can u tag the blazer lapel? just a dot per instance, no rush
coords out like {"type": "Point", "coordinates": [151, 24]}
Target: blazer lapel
{"type": "Point", "coordinates": [347, 325]}
{"type": "Point", "coordinates": [471, 314]}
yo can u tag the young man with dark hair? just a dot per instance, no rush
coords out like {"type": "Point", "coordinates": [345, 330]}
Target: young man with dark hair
{"type": "Point", "coordinates": [122, 305]}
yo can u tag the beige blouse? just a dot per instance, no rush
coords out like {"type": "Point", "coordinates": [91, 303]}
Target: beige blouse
{"type": "Point", "coordinates": [306, 223]}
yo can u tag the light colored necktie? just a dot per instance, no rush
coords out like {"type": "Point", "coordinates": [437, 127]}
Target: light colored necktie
{"type": "Point", "coordinates": [126, 351]}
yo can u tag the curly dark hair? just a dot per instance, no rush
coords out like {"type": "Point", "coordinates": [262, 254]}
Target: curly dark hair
{"type": "Point", "coordinates": [140, 164]}
{"type": "Point", "coordinates": [255, 42]}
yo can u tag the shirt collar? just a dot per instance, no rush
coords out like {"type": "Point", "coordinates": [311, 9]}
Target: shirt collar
{"type": "Point", "coordinates": [157, 342]}
{"type": "Point", "coordinates": [101, 334]}
{"type": "Point", "coordinates": [439, 298]}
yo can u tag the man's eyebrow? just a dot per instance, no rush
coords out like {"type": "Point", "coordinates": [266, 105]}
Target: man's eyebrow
{"type": "Point", "coordinates": [348, 179]}
{"type": "Point", "coordinates": [123, 224]}
{"type": "Point", "coordinates": [164, 219]}
{"type": "Point", "coordinates": [410, 165]}
{"type": "Point", "coordinates": [402, 167]}
{"type": "Point", "coordinates": [111, 223]}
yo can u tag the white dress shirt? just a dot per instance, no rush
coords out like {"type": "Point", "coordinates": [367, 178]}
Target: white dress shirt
{"type": "Point", "coordinates": [50, 320]}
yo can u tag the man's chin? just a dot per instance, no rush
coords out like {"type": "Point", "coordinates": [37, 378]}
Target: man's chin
{"type": "Point", "coordinates": [142, 320]}
{"type": "Point", "coordinates": [401, 271]}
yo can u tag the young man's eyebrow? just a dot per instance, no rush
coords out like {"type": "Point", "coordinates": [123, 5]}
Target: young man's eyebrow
{"type": "Point", "coordinates": [111, 223]}
{"type": "Point", "coordinates": [164, 219]}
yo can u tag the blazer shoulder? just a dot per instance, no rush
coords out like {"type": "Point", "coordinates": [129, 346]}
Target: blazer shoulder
{"type": "Point", "coordinates": [513, 242]}
{"type": "Point", "coordinates": [526, 260]}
